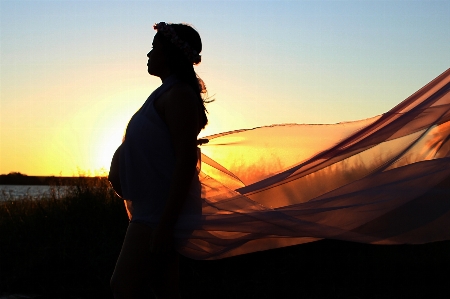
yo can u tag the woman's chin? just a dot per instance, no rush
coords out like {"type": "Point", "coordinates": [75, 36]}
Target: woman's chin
{"type": "Point", "coordinates": [151, 70]}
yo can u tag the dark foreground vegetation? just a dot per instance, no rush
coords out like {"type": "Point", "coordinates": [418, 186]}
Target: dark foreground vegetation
{"type": "Point", "coordinates": [67, 247]}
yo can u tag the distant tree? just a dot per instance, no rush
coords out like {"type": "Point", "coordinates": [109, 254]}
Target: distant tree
{"type": "Point", "coordinates": [12, 173]}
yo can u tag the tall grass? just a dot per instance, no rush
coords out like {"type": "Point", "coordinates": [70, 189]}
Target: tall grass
{"type": "Point", "coordinates": [66, 247]}
{"type": "Point", "coordinates": [57, 244]}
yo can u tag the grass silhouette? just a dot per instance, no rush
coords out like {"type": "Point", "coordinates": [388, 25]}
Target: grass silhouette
{"type": "Point", "coordinates": [66, 247]}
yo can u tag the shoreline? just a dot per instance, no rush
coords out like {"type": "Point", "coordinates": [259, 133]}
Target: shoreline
{"type": "Point", "coordinates": [14, 179]}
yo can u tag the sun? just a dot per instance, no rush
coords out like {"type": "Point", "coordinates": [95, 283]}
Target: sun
{"type": "Point", "coordinates": [107, 143]}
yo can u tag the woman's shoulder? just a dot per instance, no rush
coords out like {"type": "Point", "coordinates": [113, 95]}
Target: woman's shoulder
{"type": "Point", "coordinates": [180, 93]}
{"type": "Point", "coordinates": [180, 109]}
{"type": "Point", "coordinates": [181, 89]}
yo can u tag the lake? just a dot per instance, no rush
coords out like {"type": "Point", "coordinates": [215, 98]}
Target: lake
{"type": "Point", "coordinates": [8, 192]}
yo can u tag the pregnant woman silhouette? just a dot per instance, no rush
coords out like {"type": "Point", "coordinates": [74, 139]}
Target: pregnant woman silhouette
{"type": "Point", "coordinates": [154, 169]}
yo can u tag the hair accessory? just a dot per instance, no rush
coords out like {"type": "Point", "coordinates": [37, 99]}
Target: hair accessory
{"type": "Point", "coordinates": [170, 33]}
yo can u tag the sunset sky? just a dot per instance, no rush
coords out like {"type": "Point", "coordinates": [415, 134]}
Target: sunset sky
{"type": "Point", "coordinates": [72, 73]}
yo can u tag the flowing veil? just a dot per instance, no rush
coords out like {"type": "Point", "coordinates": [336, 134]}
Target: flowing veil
{"type": "Point", "coordinates": [380, 180]}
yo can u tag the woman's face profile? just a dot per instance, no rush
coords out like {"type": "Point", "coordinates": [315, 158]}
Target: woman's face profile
{"type": "Point", "coordinates": [156, 59]}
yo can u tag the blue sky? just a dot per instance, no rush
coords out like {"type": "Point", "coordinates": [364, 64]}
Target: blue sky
{"type": "Point", "coordinates": [73, 72]}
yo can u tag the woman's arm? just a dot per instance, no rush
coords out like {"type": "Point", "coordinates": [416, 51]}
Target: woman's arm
{"type": "Point", "coordinates": [181, 114]}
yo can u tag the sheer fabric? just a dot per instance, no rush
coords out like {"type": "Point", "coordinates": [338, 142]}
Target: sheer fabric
{"type": "Point", "coordinates": [380, 180]}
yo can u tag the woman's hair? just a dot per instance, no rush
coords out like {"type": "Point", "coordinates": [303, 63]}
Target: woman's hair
{"type": "Point", "coordinates": [180, 65]}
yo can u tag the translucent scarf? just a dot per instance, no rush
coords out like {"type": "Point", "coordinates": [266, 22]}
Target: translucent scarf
{"type": "Point", "coordinates": [379, 180]}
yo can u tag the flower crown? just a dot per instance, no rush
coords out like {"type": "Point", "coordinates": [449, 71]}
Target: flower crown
{"type": "Point", "coordinates": [170, 33]}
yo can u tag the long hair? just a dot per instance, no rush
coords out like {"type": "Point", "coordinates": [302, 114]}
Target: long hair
{"type": "Point", "coordinates": [180, 65]}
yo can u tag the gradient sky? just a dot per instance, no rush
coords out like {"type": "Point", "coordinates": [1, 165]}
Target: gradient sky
{"type": "Point", "coordinates": [72, 73]}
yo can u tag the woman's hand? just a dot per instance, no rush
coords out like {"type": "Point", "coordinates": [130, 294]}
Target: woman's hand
{"type": "Point", "coordinates": [162, 240]}
{"type": "Point", "coordinates": [202, 141]}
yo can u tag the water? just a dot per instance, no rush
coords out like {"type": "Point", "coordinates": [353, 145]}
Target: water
{"type": "Point", "coordinates": [14, 192]}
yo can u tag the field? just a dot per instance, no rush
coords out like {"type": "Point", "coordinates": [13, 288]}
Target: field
{"type": "Point", "coordinates": [67, 247]}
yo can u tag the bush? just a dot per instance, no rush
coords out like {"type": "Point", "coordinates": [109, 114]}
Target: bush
{"type": "Point", "coordinates": [65, 244]}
